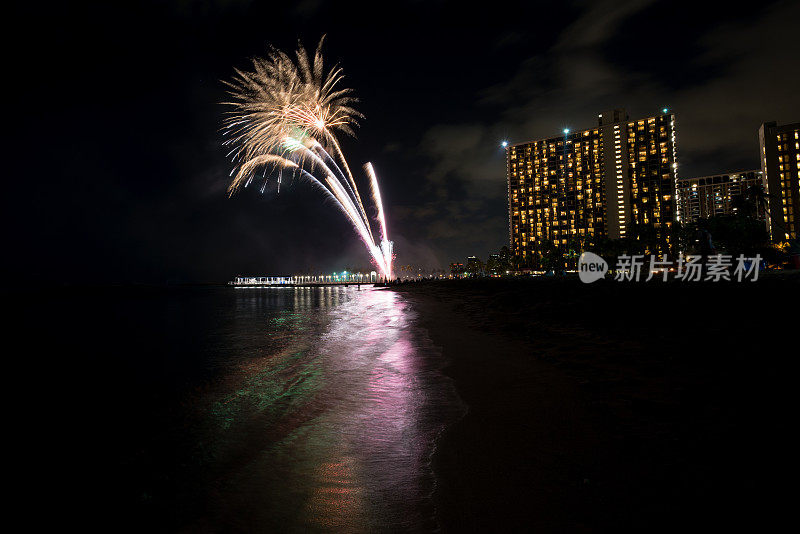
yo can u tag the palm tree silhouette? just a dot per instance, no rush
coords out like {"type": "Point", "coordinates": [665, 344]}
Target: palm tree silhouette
{"type": "Point", "coordinates": [754, 202]}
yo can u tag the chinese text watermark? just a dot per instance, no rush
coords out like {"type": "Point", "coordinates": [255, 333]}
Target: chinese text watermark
{"type": "Point", "coordinates": [696, 268]}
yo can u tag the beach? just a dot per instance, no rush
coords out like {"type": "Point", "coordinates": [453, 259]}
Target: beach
{"type": "Point", "coordinates": [613, 406]}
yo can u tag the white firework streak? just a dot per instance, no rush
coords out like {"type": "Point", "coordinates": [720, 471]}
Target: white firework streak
{"type": "Point", "coordinates": [386, 245]}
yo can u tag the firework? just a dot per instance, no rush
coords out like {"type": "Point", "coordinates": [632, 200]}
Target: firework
{"type": "Point", "coordinates": [286, 114]}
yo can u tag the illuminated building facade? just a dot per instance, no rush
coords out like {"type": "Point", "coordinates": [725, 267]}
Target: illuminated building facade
{"type": "Point", "coordinates": [780, 163]}
{"type": "Point", "coordinates": [599, 182]}
{"type": "Point", "coordinates": [457, 269]}
{"type": "Point", "coordinates": [721, 194]}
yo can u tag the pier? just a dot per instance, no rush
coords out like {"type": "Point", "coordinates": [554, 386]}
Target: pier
{"type": "Point", "coordinates": [335, 279]}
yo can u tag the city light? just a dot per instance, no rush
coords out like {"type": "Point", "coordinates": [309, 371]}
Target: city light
{"type": "Point", "coordinates": [504, 144]}
{"type": "Point", "coordinates": [665, 110]}
{"type": "Point", "coordinates": [566, 131]}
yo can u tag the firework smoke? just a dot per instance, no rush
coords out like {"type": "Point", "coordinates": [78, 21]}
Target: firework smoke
{"type": "Point", "coordinates": [285, 117]}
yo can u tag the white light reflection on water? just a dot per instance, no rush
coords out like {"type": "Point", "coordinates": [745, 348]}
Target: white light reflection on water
{"type": "Point", "coordinates": [332, 425]}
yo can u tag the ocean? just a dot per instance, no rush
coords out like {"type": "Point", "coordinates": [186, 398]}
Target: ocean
{"type": "Point", "coordinates": [219, 409]}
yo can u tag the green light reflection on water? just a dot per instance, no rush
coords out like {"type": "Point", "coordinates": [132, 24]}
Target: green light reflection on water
{"type": "Point", "coordinates": [268, 389]}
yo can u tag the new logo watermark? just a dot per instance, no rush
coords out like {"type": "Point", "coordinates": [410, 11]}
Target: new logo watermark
{"type": "Point", "coordinates": [714, 268]}
{"type": "Point", "coordinates": [591, 267]}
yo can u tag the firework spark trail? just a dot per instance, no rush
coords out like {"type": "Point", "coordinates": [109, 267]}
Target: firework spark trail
{"type": "Point", "coordinates": [376, 253]}
{"type": "Point", "coordinates": [347, 205]}
{"type": "Point", "coordinates": [285, 114]}
{"type": "Point", "coordinates": [361, 225]}
{"type": "Point", "coordinates": [350, 174]}
{"type": "Point", "coordinates": [353, 189]}
{"type": "Point", "coordinates": [376, 196]}
{"type": "Point", "coordinates": [386, 245]}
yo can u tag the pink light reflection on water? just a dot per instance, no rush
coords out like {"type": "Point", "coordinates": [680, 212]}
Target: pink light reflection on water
{"type": "Point", "coordinates": [332, 414]}
{"type": "Point", "coordinates": [377, 468]}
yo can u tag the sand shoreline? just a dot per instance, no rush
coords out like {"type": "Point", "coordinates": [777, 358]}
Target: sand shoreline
{"type": "Point", "coordinates": [588, 411]}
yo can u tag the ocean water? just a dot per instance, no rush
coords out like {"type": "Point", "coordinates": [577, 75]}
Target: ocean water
{"type": "Point", "coordinates": [257, 410]}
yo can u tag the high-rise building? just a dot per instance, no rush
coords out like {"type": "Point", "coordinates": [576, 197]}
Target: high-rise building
{"type": "Point", "coordinates": [457, 269]}
{"type": "Point", "coordinates": [780, 163]}
{"type": "Point", "coordinates": [596, 182]}
{"type": "Point", "coordinates": [720, 194]}
{"type": "Point", "coordinates": [493, 265]}
{"type": "Point", "coordinates": [474, 266]}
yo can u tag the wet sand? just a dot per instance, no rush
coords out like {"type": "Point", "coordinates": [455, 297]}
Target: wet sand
{"type": "Point", "coordinates": [615, 406]}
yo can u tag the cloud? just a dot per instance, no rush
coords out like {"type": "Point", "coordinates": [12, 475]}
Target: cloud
{"type": "Point", "coordinates": [598, 23]}
{"type": "Point", "coordinates": [308, 8]}
{"type": "Point", "coordinates": [449, 146]}
{"type": "Point", "coordinates": [759, 84]}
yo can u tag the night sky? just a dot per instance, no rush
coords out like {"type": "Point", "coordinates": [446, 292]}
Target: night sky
{"type": "Point", "coordinates": [113, 145]}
